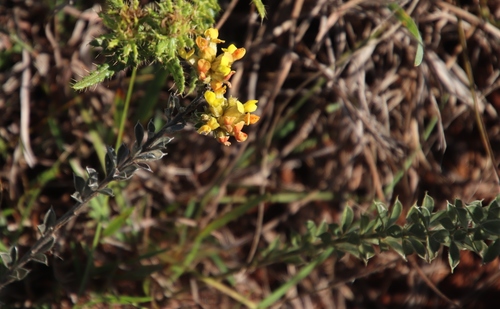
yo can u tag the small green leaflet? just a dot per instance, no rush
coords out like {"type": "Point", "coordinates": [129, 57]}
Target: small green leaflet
{"type": "Point", "coordinates": [408, 22]}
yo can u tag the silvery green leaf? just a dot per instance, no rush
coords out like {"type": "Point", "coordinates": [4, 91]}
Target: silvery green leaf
{"type": "Point", "coordinates": [48, 245]}
{"type": "Point", "coordinates": [123, 153]}
{"type": "Point", "coordinates": [7, 261]}
{"type": "Point", "coordinates": [151, 129]}
{"type": "Point", "coordinates": [175, 128]}
{"type": "Point", "coordinates": [40, 258]}
{"type": "Point", "coordinates": [77, 196]}
{"type": "Point", "coordinates": [13, 254]}
{"type": "Point", "coordinates": [162, 141]}
{"type": "Point", "coordinates": [110, 160]}
{"type": "Point", "coordinates": [144, 166]}
{"type": "Point", "coordinates": [41, 228]}
{"type": "Point", "coordinates": [126, 173]}
{"type": "Point", "coordinates": [79, 183]}
{"type": "Point", "coordinates": [93, 181]}
{"type": "Point", "coordinates": [20, 273]}
{"type": "Point", "coordinates": [139, 134]}
{"type": "Point", "coordinates": [50, 218]}
{"type": "Point", "coordinates": [107, 191]}
{"type": "Point", "coordinates": [150, 156]}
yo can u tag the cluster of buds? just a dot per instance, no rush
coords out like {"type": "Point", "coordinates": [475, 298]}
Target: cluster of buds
{"type": "Point", "coordinates": [223, 116]}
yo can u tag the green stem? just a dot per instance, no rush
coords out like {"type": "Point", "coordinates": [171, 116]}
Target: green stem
{"type": "Point", "coordinates": [125, 109]}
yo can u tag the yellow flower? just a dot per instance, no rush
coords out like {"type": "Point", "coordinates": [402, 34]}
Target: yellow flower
{"type": "Point", "coordinates": [227, 117]}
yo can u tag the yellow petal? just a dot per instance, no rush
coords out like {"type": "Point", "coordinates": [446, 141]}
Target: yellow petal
{"type": "Point", "coordinates": [250, 106]}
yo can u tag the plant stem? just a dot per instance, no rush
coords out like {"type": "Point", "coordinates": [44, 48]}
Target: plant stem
{"type": "Point", "coordinates": [125, 108]}
{"type": "Point", "coordinates": [90, 260]}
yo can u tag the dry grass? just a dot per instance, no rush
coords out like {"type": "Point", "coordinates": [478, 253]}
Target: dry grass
{"type": "Point", "coordinates": [346, 119]}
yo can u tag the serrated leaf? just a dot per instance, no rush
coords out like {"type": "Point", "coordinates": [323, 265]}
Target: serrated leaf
{"type": "Point", "coordinates": [396, 211]}
{"type": "Point", "coordinates": [260, 8]}
{"type": "Point", "coordinates": [107, 191]}
{"type": "Point", "coordinates": [453, 256]}
{"type": "Point", "coordinates": [40, 258]}
{"type": "Point", "coordinates": [79, 183]}
{"type": "Point", "coordinates": [100, 74]}
{"type": "Point", "coordinates": [492, 227]}
{"type": "Point", "coordinates": [48, 245]}
{"type": "Point", "coordinates": [20, 273]}
{"type": "Point", "coordinates": [458, 203]}
{"type": "Point", "coordinates": [139, 134]}
{"type": "Point", "coordinates": [347, 218]}
{"type": "Point", "coordinates": [381, 209]}
{"type": "Point", "coordinates": [426, 216]}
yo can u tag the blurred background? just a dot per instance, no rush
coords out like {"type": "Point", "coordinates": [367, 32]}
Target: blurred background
{"type": "Point", "coordinates": [346, 119]}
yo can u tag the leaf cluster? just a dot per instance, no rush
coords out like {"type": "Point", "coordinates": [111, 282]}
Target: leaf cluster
{"type": "Point", "coordinates": [120, 165]}
{"type": "Point", "coordinates": [472, 227]}
{"type": "Point", "coordinates": [152, 33]}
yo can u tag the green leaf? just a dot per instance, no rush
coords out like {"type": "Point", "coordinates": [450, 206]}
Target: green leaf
{"type": "Point", "coordinates": [260, 8]}
{"type": "Point", "coordinates": [364, 224]}
{"type": "Point", "coordinates": [413, 215]}
{"type": "Point", "coordinates": [494, 210]}
{"type": "Point", "coordinates": [476, 212]}
{"type": "Point", "coordinates": [347, 218]}
{"type": "Point", "coordinates": [441, 236]}
{"type": "Point", "coordinates": [101, 73]}
{"type": "Point", "coordinates": [395, 244]}
{"type": "Point", "coordinates": [459, 235]}
{"type": "Point", "coordinates": [395, 231]}
{"type": "Point", "coordinates": [292, 282]}
{"type": "Point", "coordinates": [396, 211]}
{"type": "Point", "coordinates": [492, 252]}
{"type": "Point", "coordinates": [407, 247]}
{"type": "Point", "coordinates": [453, 256]}
{"type": "Point", "coordinates": [40, 258]}
{"type": "Point", "coordinates": [418, 246]}
{"type": "Point", "coordinates": [117, 222]}
{"type": "Point", "coordinates": [428, 203]}
{"type": "Point", "coordinates": [492, 227]}
{"type": "Point", "coordinates": [463, 217]}
{"type": "Point", "coordinates": [433, 247]}
{"type": "Point", "coordinates": [418, 230]}
{"type": "Point", "coordinates": [447, 223]}
{"type": "Point", "coordinates": [408, 22]}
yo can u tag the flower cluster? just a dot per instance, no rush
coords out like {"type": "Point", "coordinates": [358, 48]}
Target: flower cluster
{"type": "Point", "coordinates": [223, 116]}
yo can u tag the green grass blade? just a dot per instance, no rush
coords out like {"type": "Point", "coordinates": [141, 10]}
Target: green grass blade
{"type": "Point", "coordinates": [409, 23]}
{"type": "Point", "coordinates": [304, 272]}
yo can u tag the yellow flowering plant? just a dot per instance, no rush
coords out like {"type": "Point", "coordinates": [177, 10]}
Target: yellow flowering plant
{"type": "Point", "coordinates": [225, 117]}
